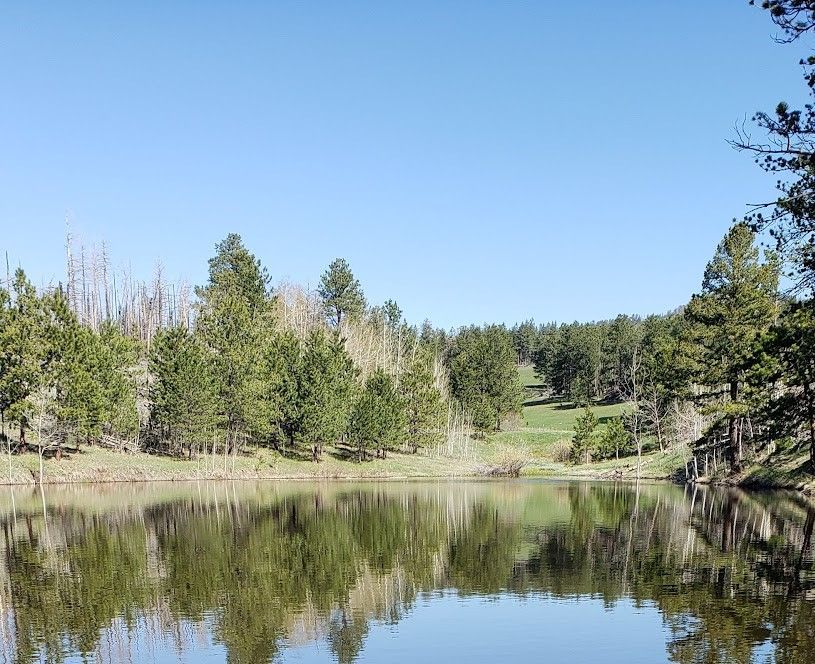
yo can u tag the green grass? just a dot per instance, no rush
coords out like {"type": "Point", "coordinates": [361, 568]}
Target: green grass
{"type": "Point", "coordinates": [93, 464]}
{"type": "Point", "coordinates": [561, 416]}
{"type": "Point", "coordinates": [784, 469]}
{"type": "Point", "coordinates": [547, 422]}
{"type": "Point", "coordinates": [527, 376]}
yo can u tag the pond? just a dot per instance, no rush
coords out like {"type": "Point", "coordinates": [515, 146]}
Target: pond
{"type": "Point", "coordinates": [405, 572]}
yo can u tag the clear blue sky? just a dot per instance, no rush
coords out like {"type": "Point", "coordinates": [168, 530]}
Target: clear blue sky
{"type": "Point", "coordinates": [475, 161]}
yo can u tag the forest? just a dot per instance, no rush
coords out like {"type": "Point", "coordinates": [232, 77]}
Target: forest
{"type": "Point", "coordinates": [239, 364]}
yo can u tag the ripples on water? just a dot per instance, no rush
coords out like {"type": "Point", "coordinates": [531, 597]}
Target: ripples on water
{"type": "Point", "coordinates": [406, 572]}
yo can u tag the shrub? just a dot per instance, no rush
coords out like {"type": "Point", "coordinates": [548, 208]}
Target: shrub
{"type": "Point", "coordinates": [509, 461]}
{"type": "Point", "coordinates": [562, 451]}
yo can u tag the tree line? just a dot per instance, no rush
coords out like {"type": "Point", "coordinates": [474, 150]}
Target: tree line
{"type": "Point", "coordinates": [732, 370]}
{"type": "Point", "coordinates": [292, 370]}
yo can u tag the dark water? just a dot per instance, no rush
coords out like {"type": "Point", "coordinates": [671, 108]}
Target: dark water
{"type": "Point", "coordinates": [406, 572]}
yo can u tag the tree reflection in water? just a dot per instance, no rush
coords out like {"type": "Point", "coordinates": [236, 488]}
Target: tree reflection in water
{"type": "Point", "coordinates": [254, 569]}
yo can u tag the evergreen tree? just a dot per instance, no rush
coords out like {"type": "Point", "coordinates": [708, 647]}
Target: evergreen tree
{"type": "Point", "coordinates": [432, 339]}
{"type": "Point", "coordinates": [583, 439]}
{"type": "Point", "coordinates": [114, 361]}
{"type": "Point", "coordinates": [5, 359]}
{"type": "Point", "coordinates": [23, 352]}
{"type": "Point", "coordinates": [788, 154]}
{"type": "Point", "coordinates": [234, 321]}
{"type": "Point", "coordinates": [789, 361]}
{"type": "Point", "coordinates": [378, 416]}
{"type": "Point", "coordinates": [737, 304]}
{"type": "Point", "coordinates": [662, 372]}
{"type": "Point", "coordinates": [614, 439]}
{"type": "Point", "coordinates": [341, 292]}
{"type": "Point", "coordinates": [621, 351]}
{"type": "Point", "coordinates": [484, 376]}
{"type": "Point", "coordinates": [423, 403]}
{"type": "Point", "coordinates": [79, 404]}
{"type": "Point", "coordinates": [523, 338]}
{"type": "Point", "coordinates": [392, 314]}
{"type": "Point", "coordinates": [284, 365]}
{"type": "Point", "coordinates": [326, 391]}
{"type": "Point", "coordinates": [183, 395]}
{"type": "Point", "coordinates": [569, 361]}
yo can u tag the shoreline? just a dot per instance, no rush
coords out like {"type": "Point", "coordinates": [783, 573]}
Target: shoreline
{"type": "Point", "coordinates": [99, 466]}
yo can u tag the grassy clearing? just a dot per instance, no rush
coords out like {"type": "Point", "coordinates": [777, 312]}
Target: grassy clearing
{"type": "Point", "coordinates": [94, 464]}
{"type": "Point", "coordinates": [527, 376]}
{"type": "Point", "coordinates": [546, 422]}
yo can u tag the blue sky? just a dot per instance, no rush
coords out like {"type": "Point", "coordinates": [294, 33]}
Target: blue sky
{"type": "Point", "coordinates": [475, 161]}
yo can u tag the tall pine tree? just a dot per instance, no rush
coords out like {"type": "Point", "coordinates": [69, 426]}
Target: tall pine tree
{"type": "Point", "coordinates": [484, 376]}
{"type": "Point", "coordinates": [738, 303]}
{"type": "Point", "coordinates": [422, 401]}
{"type": "Point", "coordinates": [234, 318]}
{"type": "Point", "coordinates": [789, 362]}
{"type": "Point", "coordinates": [23, 352]}
{"type": "Point", "coordinates": [341, 292]}
{"type": "Point", "coordinates": [326, 391]}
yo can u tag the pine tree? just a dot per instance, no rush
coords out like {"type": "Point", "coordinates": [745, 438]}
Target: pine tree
{"type": "Point", "coordinates": [284, 365]}
{"type": "Point", "coordinates": [569, 361]}
{"type": "Point", "coordinates": [614, 440]}
{"type": "Point", "coordinates": [183, 396]}
{"type": "Point", "coordinates": [789, 361]}
{"type": "Point", "coordinates": [662, 372]}
{"type": "Point", "coordinates": [234, 319]}
{"type": "Point", "coordinates": [737, 304]}
{"type": "Point", "coordinates": [326, 391]}
{"type": "Point", "coordinates": [483, 375]}
{"type": "Point", "coordinates": [392, 314]}
{"type": "Point", "coordinates": [622, 346]}
{"type": "Point", "coordinates": [23, 352]}
{"type": "Point", "coordinates": [378, 416]}
{"type": "Point", "coordinates": [87, 379]}
{"type": "Point", "coordinates": [341, 293]}
{"type": "Point", "coordinates": [116, 356]}
{"type": "Point", "coordinates": [78, 399]}
{"type": "Point", "coordinates": [435, 341]}
{"type": "Point", "coordinates": [524, 340]}
{"type": "Point", "coordinates": [583, 439]}
{"type": "Point", "coordinates": [423, 403]}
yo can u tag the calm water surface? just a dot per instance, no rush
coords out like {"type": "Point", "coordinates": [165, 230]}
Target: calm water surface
{"type": "Point", "coordinates": [406, 572]}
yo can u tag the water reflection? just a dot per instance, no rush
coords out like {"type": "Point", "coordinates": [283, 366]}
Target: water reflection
{"type": "Point", "coordinates": [256, 572]}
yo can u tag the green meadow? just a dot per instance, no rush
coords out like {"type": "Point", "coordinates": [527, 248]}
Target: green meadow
{"type": "Point", "coordinates": [547, 424]}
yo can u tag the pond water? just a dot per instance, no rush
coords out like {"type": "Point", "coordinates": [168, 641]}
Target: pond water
{"type": "Point", "coordinates": [405, 572]}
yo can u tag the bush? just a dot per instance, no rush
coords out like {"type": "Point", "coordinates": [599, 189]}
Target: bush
{"type": "Point", "coordinates": [562, 451]}
{"type": "Point", "coordinates": [509, 461]}
{"type": "Point", "coordinates": [584, 433]}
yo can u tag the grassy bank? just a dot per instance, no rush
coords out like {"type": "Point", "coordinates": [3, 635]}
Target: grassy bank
{"type": "Point", "coordinates": [788, 469]}
{"type": "Point", "coordinates": [93, 464]}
